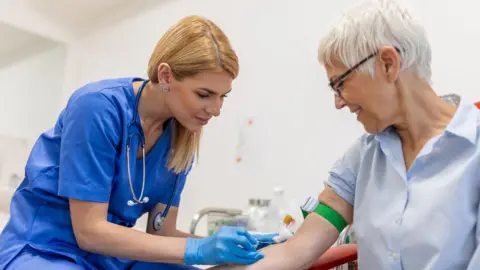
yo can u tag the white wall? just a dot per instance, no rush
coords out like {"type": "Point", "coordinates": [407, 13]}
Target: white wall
{"type": "Point", "coordinates": [31, 91]}
{"type": "Point", "coordinates": [297, 133]}
{"type": "Point", "coordinates": [31, 84]}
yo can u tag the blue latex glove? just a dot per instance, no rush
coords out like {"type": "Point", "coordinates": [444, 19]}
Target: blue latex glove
{"type": "Point", "coordinates": [264, 240]}
{"type": "Point", "coordinates": [227, 245]}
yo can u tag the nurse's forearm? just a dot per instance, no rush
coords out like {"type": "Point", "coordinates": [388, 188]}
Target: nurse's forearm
{"type": "Point", "coordinates": [178, 233]}
{"type": "Point", "coordinates": [113, 240]}
{"type": "Point", "coordinates": [313, 238]}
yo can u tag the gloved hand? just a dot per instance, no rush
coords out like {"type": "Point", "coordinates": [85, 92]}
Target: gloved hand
{"type": "Point", "coordinates": [227, 245]}
{"type": "Point", "coordinates": [265, 240]}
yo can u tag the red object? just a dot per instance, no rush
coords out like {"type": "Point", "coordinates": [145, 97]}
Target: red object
{"type": "Point", "coordinates": [477, 104]}
{"type": "Point", "coordinates": [336, 256]}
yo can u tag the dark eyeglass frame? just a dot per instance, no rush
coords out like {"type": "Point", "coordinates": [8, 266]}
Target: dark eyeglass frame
{"type": "Point", "coordinates": [338, 82]}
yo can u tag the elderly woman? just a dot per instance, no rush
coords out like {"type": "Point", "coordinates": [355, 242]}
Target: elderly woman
{"type": "Point", "coordinates": [410, 185]}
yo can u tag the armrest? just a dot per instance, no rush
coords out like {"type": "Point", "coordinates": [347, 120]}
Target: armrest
{"type": "Point", "coordinates": [336, 256]}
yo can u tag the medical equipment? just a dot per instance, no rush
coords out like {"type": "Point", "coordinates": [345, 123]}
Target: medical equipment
{"type": "Point", "coordinates": [288, 219]}
{"type": "Point", "coordinates": [276, 210]}
{"type": "Point", "coordinates": [331, 216]}
{"type": "Point", "coordinates": [284, 233]}
{"type": "Point", "coordinates": [313, 205]}
{"type": "Point", "coordinates": [134, 129]}
{"type": "Point", "coordinates": [257, 214]}
{"type": "Point", "coordinates": [216, 217]}
{"type": "Point", "coordinates": [160, 217]}
{"type": "Point", "coordinates": [281, 236]}
{"type": "Point", "coordinates": [158, 221]}
{"type": "Point", "coordinates": [310, 204]}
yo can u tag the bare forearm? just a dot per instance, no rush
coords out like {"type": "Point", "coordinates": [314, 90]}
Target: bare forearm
{"type": "Point", "coordinates": [117, 241]}
{"type": "Point", "coordinates": [178, 233]}
{"type": "Point", "coordinates": [314, 237]}
{"type": "Point", "coordinates": [172, 233]}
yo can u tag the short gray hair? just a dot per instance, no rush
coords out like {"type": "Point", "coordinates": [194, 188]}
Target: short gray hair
{"type": "Point", "coordinates": [366, 27]}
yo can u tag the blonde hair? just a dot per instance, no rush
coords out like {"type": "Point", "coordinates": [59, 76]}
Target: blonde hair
{"type": "Point", "coordinates": [191, 46]}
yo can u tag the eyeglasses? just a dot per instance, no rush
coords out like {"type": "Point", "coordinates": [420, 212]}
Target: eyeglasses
{"type": "Point", "coordinates": [337, 83]}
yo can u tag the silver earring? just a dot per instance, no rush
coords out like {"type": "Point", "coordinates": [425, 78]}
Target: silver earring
{"type": "Point", "coordinates": [164, 88]}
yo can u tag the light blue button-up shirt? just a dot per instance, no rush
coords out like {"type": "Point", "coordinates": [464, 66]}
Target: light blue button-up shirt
{"type": "Point", "coordinates": [423, 218]}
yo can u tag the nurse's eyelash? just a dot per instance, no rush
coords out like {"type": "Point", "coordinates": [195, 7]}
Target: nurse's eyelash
{"type": "Point", "coordinates": [203, 95]}
{"type": "Point", "coordinates": [207, 95]}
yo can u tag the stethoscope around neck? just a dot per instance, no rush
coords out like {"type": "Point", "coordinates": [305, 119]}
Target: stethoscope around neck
{"type": "Point", "coordinates": [134, 129]}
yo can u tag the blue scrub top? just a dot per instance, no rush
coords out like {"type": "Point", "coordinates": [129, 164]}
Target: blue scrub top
{"type": "Point", "coordinates": [84, 157]}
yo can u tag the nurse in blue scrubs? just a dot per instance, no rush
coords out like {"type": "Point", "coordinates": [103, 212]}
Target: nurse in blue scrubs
{"type": "Point", "coordinates": [121, 148]}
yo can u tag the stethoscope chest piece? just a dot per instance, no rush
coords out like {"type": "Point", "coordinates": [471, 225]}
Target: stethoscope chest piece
{"type": "Point", "coordinates": [158, 221]}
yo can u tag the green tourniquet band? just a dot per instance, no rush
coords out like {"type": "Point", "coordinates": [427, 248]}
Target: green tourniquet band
{"type": "Point", "coordinates": [332, 216]}
{"type": "Point", "coordinates": [304, 213]}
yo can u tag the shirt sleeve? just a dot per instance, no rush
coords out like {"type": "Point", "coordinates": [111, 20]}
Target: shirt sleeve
{"type": "Point", "coordinates": [88, 148]}
{"type": "Point", "coordinates": [342, 177]}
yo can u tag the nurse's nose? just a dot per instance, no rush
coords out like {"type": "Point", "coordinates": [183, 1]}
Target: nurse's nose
{"type": "Point", "coordinates": [339, 102]}
{"type": "Point", "coordinates": [214, 112]}
{"type": "Point", "coordinates": [215, 109]}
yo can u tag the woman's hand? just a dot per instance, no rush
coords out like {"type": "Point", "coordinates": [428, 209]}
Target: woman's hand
{"type": "Point", "coordinates": [227, 245]}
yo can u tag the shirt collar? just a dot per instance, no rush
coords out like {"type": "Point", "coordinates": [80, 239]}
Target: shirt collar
{"type": "Point", "coordinates": [464, 123]}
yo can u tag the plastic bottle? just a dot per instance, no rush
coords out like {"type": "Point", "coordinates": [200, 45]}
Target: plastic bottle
{"type": "Point", "coordinates": [262, 215]}
{"type": "Point", "coordinates": [276, 210]}
{"type": "Point", "coordinates": [252, 214]}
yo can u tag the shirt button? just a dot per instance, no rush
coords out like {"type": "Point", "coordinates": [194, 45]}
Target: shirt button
{"type": "Point", "coordinates": [398, 220]}
{"type": "Point", "coordinates": [395, 255]}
